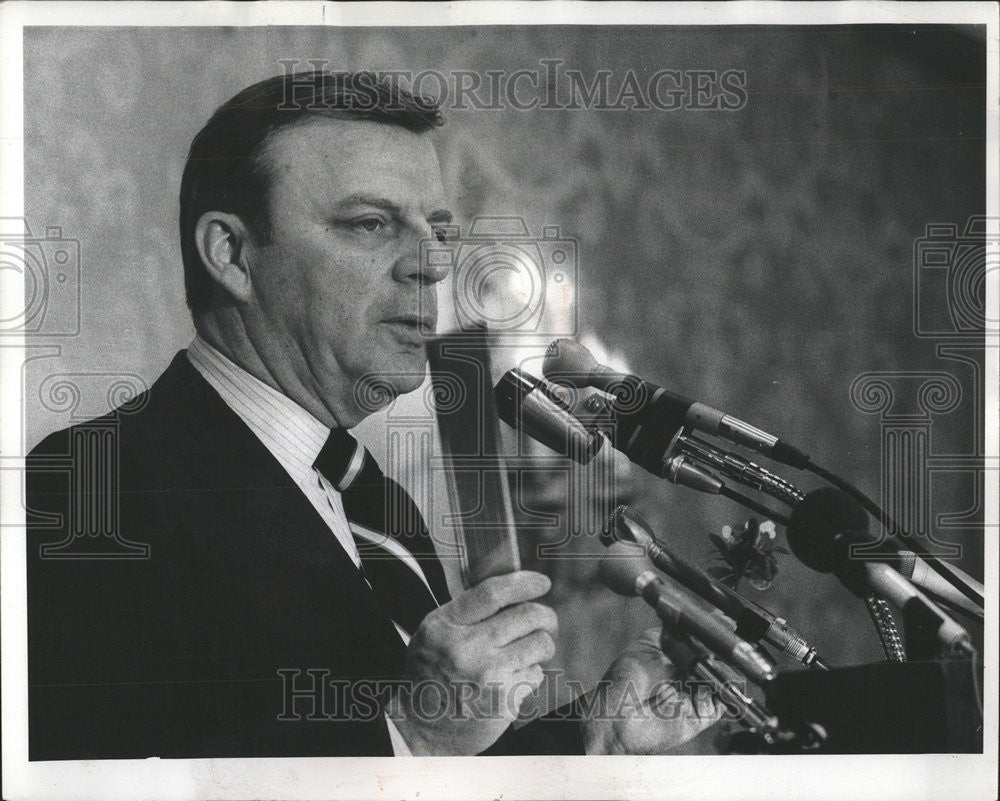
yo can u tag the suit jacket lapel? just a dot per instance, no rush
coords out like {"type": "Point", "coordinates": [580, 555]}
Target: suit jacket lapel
{"type": "Point", "coordinates": [253, 493]}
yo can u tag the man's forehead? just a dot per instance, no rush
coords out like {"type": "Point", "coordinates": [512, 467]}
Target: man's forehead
{"type": "Point", "coordinates": [339, 157]}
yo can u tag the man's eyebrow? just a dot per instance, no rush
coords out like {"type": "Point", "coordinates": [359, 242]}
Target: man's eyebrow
{"type": "Point", "coordinates": [440, 216]}
{"type": "Point", "coordinates": [363, 199]}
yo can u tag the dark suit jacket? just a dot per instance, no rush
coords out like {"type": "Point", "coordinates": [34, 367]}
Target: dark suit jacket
{"type": "Point", "coordinates": [201, 648]}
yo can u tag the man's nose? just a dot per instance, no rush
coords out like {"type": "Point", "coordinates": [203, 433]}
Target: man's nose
{"type": "Point", "coordinates": [425, 262]}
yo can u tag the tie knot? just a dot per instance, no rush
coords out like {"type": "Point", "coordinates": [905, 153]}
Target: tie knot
{"type": "Point", "coordinates": [341, 459]}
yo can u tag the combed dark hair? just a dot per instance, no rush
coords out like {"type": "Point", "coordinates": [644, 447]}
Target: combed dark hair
{"type": "Point", "coordinates": [226, 168]}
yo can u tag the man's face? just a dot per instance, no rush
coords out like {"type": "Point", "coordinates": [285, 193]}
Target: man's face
{"type": "Point", "coordinates": [340, 285]}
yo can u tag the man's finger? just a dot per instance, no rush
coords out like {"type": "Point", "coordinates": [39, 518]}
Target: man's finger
{"type": "Point", "coordinates": [493, 594]}
{"type": "Point", "coordinates": [520, 620]}
{"type": "Point", "coordinates": [524, 683]}
{"type": "Point", "coordinates": [532, 674]}
{"type": "Point", "coordinates": [529, 650]}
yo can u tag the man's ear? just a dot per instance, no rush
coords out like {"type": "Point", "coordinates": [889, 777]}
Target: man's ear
{"type": "Point", "coordinates": [223, 242]}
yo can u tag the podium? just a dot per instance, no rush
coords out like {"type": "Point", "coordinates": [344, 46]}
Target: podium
{"type": "Point", "coordinates": [928, 706]}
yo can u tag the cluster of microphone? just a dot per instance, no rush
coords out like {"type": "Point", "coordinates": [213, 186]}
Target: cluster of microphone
{"type": "Point", "coordinates": [827, 529]}
{"type": "Point", "coordinates": [748, 620]}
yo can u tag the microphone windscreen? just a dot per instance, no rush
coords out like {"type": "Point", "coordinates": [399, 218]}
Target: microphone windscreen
{"type": "Point", "coordinates": [621, 566]}
{"type": "Point", "coordinates": [823, 525]}
{"type": "Point", "coordinates": [568, 362]}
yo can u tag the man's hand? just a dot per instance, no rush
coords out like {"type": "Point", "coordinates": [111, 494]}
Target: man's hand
{"type": "Point", "coordinates": [472, 663]}
{"type": "Point", "coordinates": [644, 705]}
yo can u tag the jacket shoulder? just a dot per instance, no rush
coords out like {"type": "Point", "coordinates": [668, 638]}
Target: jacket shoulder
{"type": "Point", "coordinates": [144, 421]}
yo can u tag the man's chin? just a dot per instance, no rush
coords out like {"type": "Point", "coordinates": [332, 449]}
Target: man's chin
{"type": "Point", "coordinates": [407, 370]}
{"type": "Point", "coordinates": [397, 374]}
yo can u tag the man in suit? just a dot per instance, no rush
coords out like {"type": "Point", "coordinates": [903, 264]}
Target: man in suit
{"type": "Point", "coordinates": [287, 607]}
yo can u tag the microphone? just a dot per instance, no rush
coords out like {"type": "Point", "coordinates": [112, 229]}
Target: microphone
{"type": "Point", "coordinates": [753, 622]}
{"type": "Point", "coordinates": [920, 573]}
{"type": "Point", "coordinates": [626, 571]}
{"type": "Point", "coordinates": [649, 416]}
{"type": "Point", "coordinates": [820, 533]}
{"type": "Point", "coordinates": [689, 655]}
{"type": "Point", "coordinates": [834, 513]}
{"type": "Point", "coordinates": [534, 406]}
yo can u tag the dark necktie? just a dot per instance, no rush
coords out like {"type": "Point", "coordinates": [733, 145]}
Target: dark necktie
{"type": "Point", "coordinates": [398, 559]}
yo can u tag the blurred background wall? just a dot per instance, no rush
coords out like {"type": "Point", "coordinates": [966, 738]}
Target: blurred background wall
{"type": "Point", "coordinates": [759, 259]}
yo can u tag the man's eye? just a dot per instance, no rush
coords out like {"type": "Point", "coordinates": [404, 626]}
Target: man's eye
{"type": "Point", "coordinates": [370, 224]}
{"type": "Point", "coordinates": [441, 234]}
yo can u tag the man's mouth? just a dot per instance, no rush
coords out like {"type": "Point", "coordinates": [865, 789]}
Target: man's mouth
{"type": "Point", "coordinates": [412, 328]}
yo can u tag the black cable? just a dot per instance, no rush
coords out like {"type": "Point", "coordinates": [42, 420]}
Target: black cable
{"type": "Point", "coordinates": [890, 526]}
{"type": "Point", "coordinates": [752, 505]}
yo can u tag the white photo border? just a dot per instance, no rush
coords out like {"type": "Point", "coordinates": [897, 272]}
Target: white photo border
{"type": "Point", "coordinates": [938, 777]}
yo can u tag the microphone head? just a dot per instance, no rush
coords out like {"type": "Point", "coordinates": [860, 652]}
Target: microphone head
{"type": "Point", "coordinates": [623, 564]}
{"type": "Point", "coordinates": [569, 363]}
{"type": "Point", "coordinates": [823, 526]}
{"type": "Point", "coordinates": [526, 403]}
{"type": "Point", "coordinates": [627, 525]}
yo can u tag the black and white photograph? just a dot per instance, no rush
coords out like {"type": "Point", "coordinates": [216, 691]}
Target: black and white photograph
{"type": "Point", "coordinates": [601, 396]}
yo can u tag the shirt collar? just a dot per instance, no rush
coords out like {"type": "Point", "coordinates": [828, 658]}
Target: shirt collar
{"type": "Point", "coordinates": [287, 430]}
